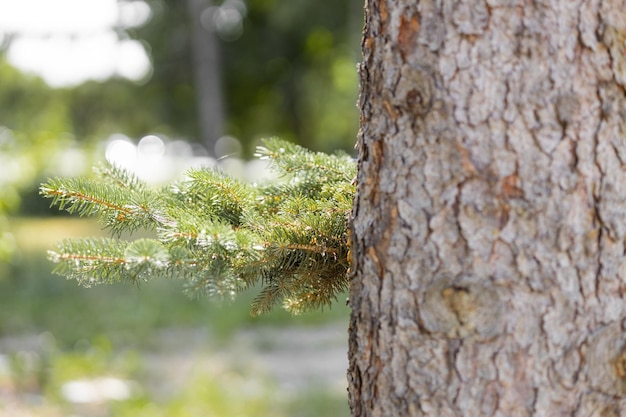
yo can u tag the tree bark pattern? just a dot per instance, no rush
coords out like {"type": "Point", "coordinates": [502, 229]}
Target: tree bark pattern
{"type": "Point", "coordinates": [488, 230]}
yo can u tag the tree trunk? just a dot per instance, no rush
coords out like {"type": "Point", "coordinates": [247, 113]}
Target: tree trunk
{"type": "Point", "coordinates": [489, 265]}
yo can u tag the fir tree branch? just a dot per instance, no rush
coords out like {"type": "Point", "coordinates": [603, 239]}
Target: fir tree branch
{"type": "Point", "coordinates": [118, 208]}
{"type": "Point", "coordinates": [119, 176]}
{"type": "Point", "coordinates": [220, 235]}
{"type": "Point", "coordinates": [83, 197]}
{"type": "Point", "coordinates": [291, 158]}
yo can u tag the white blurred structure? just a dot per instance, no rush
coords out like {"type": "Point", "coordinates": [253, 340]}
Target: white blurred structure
{"type": "Point", "coordinates": [68, 42]}
{"type": "Point", "coordinates": [157, 160]}
{"type": "Point", "coordinates": [97, 390]}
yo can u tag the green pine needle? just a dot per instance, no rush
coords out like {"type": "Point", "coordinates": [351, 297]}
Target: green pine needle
{"type": "Point", "coordinates": [218, 234]}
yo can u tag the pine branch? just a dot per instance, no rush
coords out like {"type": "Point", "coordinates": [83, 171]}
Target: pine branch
{"type": "Point", "coordinates": [90, 261]}
{"type": "Point", "coordinates": [121, 177]}
{"type": "Point", "coordinates": [321, 167]}
{"type": "Point", "coordinates": [217, 234]}
{"type": "Point", "coordinates": [121, 201]}
{"type": "Point", "coordinates": [223, 197]}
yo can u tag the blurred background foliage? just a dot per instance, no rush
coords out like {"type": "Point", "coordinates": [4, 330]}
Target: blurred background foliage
{"type": "Point", "coordinates": [287, 69]}
{"type": "Point", "coordinates": [219, 76]}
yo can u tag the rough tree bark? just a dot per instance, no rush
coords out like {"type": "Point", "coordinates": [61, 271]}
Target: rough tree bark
{"type": "Point", "coordinates": [489, 265]}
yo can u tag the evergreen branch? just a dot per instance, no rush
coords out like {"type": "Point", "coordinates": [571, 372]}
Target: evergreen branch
{"type": "Point", "coordinates": [290, 158]}
{"type": "Point", "coordinates": [90, 261]}
{"type": "Point", "coordinates": [220, 235]}
{"type": "Point", "coordinates": [119, 208]}
{"type": "Point", "coordinates": [120, 177]}
{"type": "Point", "coordinates": [83, 197]}
{"type": "Point", "coordinates": [102, 260]}
{"type": "Point", "coordinates": [220, 196]}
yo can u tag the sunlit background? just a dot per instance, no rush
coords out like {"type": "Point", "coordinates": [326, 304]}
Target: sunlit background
{"type": "Point", "coordinates": [67, 42]}
{"type": "Point", "coordinates": [158, 87]}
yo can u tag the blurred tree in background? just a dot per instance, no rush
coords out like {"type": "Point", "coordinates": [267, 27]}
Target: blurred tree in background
{"type": "Point", "coordinates": [297, 72]}
{"type": "Point", "coordinates": [288, 69]}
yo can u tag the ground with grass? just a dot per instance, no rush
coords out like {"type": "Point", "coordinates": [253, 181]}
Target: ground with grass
{"type": "Point", "coordinates": [170, 355]}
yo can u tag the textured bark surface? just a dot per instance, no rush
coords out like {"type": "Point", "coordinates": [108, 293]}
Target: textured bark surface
{"type": "Point", "coordinates": [489, 264]}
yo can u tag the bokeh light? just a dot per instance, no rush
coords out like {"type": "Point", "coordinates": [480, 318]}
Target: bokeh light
{"type": "Point", "coordinates": [151, 149]}
{"type": "Point", "coordinates": [121, 151]}
{"type": "Point", "coordinates": [227, 146]}
{"type": "Point", "coordinates": [226, 20]}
